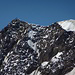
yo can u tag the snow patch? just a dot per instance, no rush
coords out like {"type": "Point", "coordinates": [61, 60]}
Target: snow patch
{"type": "Point", "coordinates": [72, 72]}
{"type": "Point", "coordinates": [6, 60]}
{"type": "Point", "coordinates": [44, 63]}
{"type": "Point", "coordinates": [32, 45]}
{"type": "Point", "coordinates": [36, 72]}
{"type": "Point", "coordinates": [18, 42]}
{"type": "Point", "coordinates": [15, 64]}
{"type": "Point", "coordinates": [68, 25]}
{"type": "Point", "coordinates": [56, 57]}
{"type": "Point", "coordinates": [54, 70]}
{"type": "Point", "coordinates": [33, 73]}
{"type": "Point", "coordinates": [45, 36]}
{"type": "Point", "coordinates": [31, 34]}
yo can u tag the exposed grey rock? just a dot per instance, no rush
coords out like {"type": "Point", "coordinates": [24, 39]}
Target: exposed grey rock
{"type": "Point", "coordinates": [29, 49]}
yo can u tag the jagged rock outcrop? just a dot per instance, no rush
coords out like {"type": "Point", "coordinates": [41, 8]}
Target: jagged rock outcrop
{"type": "Point", "coordinates": [29, 49]}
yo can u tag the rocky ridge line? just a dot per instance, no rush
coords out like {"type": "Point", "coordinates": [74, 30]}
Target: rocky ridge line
{"type": "Point", "coordinates": [29, 49]}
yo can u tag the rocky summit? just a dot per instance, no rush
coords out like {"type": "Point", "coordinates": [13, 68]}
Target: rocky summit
{"type": "Point", "coordinates": [30, 49]}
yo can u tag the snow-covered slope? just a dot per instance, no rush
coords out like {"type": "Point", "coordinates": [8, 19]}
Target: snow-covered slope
{"type": "Point", "coordinates": [68, 25]}
{"type": "Point", "coordinates": [72, 72]}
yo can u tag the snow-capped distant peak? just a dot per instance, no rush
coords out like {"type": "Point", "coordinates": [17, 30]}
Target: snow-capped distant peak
{"type": "Point", "coordinates": [68, 25]}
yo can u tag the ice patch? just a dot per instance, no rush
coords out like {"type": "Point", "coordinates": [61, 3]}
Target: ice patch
{"type": "Point", "coordinates": [72, 72]}
{"type": "Point", "coordinates": [68, 25]}
{"type": "Point", "coordinates": [56, 57]}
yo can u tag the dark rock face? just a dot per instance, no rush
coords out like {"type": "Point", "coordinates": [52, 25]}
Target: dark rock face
{"type": "Point", "coordinates": [27, 49]}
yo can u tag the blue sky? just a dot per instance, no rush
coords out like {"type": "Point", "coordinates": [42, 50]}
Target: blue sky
{"type": "Point", "coordinates": [43, 12]}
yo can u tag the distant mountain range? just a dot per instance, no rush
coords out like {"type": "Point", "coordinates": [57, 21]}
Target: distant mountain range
{"type": "Point", "coordinates": [30, 49]}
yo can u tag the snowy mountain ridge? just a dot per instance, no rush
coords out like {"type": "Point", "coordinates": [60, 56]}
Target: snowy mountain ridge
{"type": "Point", "coordinates": [68, 25]}
{"type": "Point", "coordinates": [29, 49]}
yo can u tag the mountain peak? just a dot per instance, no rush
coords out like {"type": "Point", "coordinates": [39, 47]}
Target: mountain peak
{"type": "Point", "coordinates": [68, 25]}
{"type": "Point", "coordinates": [29, 49]}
